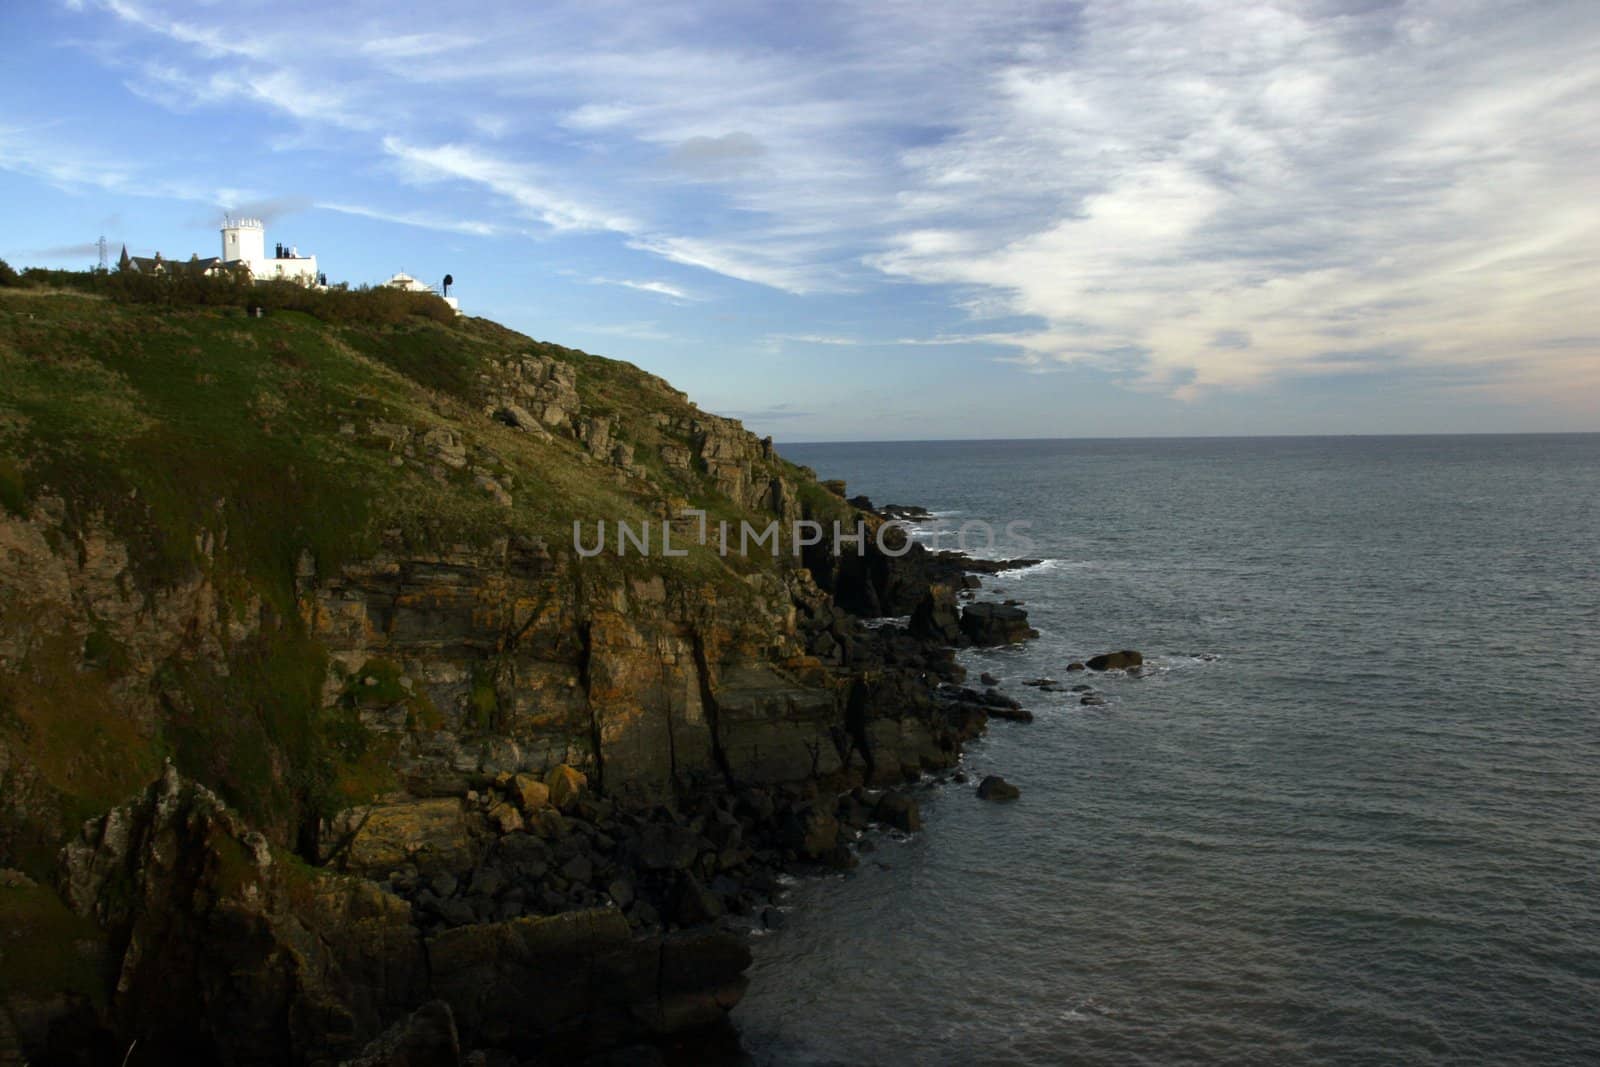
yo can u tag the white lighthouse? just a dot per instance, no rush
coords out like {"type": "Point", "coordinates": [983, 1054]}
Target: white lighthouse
{"type": "Point", "coordinates": [244, 242]}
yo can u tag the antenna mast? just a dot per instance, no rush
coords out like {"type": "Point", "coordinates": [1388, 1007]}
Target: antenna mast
{"type": "Point", "coordinates": [100, 246]}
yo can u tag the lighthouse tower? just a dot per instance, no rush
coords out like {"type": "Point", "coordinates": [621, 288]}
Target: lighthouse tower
{"type": "Point", "coordinates": [243, 240]}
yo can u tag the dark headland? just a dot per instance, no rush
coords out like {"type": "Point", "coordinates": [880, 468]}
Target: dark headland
{"type": "Point", "coordinates": [322, 744]}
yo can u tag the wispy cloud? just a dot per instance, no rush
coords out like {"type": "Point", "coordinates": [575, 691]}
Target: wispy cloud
{"type": "Point", "coordinates": [519, 183]}
{"type": "Point", "coordinates": [1191, 198]}
{"type": "Point", "coordinates": [666, 289]}
{"type": "Point", "coordinates": [420, 219]}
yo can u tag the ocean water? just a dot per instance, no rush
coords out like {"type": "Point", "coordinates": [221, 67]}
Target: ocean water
{"type": "Point", "coordinates": [1350, 816]}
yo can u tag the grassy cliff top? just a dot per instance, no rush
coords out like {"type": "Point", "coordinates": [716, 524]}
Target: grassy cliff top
{"type": "Point", "coordinates": [211, 441]}
{"type": "Point", "coordinates": [309, 429]}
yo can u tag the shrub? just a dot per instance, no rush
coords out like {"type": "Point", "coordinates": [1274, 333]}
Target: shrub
{"type": "Point", "coordinates": [365, 306]}
{"type": "Point", "coordinates": [8, 277]}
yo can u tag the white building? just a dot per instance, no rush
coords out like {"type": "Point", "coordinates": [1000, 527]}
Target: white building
{"type": "Point", "coordinates": [405, 281]}
{"type": "Point", "coordinates": [244, 242]}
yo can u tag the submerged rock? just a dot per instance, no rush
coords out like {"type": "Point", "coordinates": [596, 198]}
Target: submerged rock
{"type": "Point", "coordinates": [1115, 661]}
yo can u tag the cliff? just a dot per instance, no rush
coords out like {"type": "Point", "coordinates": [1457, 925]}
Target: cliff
{"type": "Point", "coordinates": [316, 730]}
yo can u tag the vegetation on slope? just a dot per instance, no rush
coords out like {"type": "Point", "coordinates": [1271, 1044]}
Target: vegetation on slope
{"type": "Point", "coordinates": [212, 441]}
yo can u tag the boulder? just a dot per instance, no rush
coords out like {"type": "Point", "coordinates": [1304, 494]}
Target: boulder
{"type": "Point", "coordinates": [693, 904]}
{"type": "Point", "coordinates": [665, 847]}
{"type": "Point", "coordinates": [995, 624]}
{"type": "Point", "coordinates": [995, 787]}
{"type": "Point", "coordinates": [565, 784]}
{"type": "Point", "coordinates": [531, 793]}
{"type": "Point", "coordinates": [813, 833]}
{"type": "Point", "coordinates": [505, 817]}
{"type": "Point", "coordinates": [1115, 661]}
{"type": "Point", "coordinates": [430, 833]}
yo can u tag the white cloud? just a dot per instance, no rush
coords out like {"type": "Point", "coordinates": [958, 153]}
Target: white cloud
{"type": "Point", "coordinates": [520, 184]}
{"type": "Point", "coordinates": [419, 219]}
{"type": "Point", "coordinates": [659, 288]}
{"type": "Point", "coordinates": [1193, 196]}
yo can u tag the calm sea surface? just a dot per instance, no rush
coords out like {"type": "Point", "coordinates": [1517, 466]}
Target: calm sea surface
{"type": "Point", "coordinates": [1351, 815]}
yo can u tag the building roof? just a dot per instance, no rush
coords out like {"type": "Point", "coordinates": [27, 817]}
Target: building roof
{"type": "Point", "coordinates": [158, 265]}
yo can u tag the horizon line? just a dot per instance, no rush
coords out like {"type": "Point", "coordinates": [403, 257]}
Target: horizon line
{"type": "Point", "coordinates": [1187, 437]}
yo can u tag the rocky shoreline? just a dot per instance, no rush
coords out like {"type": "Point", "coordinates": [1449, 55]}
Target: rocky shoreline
{"type": "Point", "coordinates": [495, 916]}
{"type": "Point", "coordinates": [516, 914]}
{"type": "Point", "coordinates": [418, 793]}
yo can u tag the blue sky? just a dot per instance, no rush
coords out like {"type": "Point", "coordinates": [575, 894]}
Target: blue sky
{"type": "Point", "coordinates": [891, 220]}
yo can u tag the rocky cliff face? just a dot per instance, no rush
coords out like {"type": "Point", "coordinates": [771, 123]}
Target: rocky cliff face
{"type": "Point", "coordinates": [410, 765]}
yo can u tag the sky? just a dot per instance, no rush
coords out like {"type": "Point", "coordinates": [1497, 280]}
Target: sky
{"type": "Point", "coordinates": [886, 220]}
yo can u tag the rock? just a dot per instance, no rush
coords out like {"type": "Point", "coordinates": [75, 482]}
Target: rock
{"type": "Point", "coordinates": [1116, 661]}
{"type": "Point", "coordinates": [1092, 700]}
{"type": "Point", "coordinates": [565, 784]}
{"type": "Point", "coordinates": [578, 870]}
{"type": "Point", "coordinates": [518, 417]}
{"type": "Point", "coordinates": [693, 904]}
{"type": "Point", "coordinates": [217, 943]}
{"type": "Point", "coordinates": [582, 979]}
{"type": "Point", "coordinates": [813, 833]}
{"type": "Point", "coordinates": [622, 892]}
{"type": "Point", "coordinates": [425, 1038]}
{"type": "Point", "coordinates": [548, 824]}
{"type": "Point", "coordinates": [899, 811]}
{"type": "Point", "coordinates": [988, 679]}
{"type": "Point", "coordinates": [505, 817]}
{"type": "Point", "coordinates": [665, 847]}
{"type": "Point", "coordinates": [532, 794]}
{"type": "Point", "coordinates": [995, 624]}
{"type": "Point", "coordinates": [1075, 666]}
{"type": "Point", "coordinates": [995, 787]}
{"type": "Point", "coordinates": [446, 446]}
{"type": "Point", "coordinates": [432, 834]}
{"type": "Point", "coordinates": [936, 616]}
{"type": "Point", "coordinates": [1017, 714]}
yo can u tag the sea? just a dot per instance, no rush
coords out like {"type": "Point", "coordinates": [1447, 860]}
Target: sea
{"type": "Point", "coordinates": [1349, 813]}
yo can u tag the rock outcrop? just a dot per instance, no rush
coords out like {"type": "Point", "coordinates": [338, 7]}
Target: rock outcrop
{"type": "Point", "coordinates": [996, 624]}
